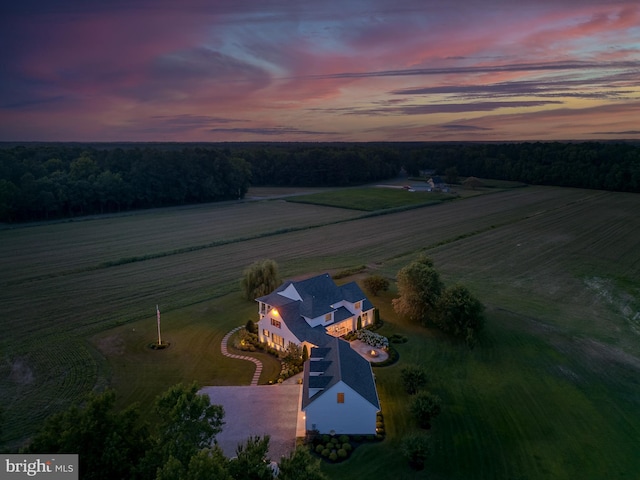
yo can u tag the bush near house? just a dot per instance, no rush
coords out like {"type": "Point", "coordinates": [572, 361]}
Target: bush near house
{"type": "Point", "coordinates": [373, 339]}
{"type": "Point", "coordinates": [336, 449]}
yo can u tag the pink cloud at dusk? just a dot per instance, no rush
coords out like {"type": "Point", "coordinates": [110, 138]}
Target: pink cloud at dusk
{"type": "Point", "coordinates": [377, 70]}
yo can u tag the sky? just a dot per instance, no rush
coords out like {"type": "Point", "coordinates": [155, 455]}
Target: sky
{"type": "Point", "coordinates": [322, 70]}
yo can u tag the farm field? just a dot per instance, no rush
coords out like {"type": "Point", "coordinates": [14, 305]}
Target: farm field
{"type": "Point", "coordinates": [550, 392]}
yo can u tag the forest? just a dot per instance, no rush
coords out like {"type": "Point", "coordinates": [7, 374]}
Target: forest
{"type": "Point", "coordinates": [51, 181]}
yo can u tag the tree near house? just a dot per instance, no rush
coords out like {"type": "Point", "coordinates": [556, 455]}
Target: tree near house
{"type": "Point", "coordinates": [416, 448]}
{"type": "Point", "coordinates": [460, 314]}
{"type": "Point", "coordinates": [260, 278]}
{"type": "Point", "coordinates": [425, 407]}
{"type": "Point", "coordinates": [451, 175]}
{"type": "Point", "coordinates": [413, 378]}
{"type": "Point", "coordinates": [375, 284]}
{"type": "Point", "coordinates": [187, 423]}
{"type": "Point", "coordinates": [109, 442]}
{"type": "Point", "coordinates": [419, 287]}
{"type": "Point", "coordinates": [251, 461]}
{"type": "Point", "coordinates": [300, 465]}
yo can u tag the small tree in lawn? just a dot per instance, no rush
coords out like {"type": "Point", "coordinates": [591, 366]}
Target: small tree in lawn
{"type": "Point", "coordinates": [460, 314]}
{"type": "Point", "coordinates": [425, 407]}
{"type": "Point", "coordinates": [260, 278]}
{"type": "Point", "coordinates": [416, 448]}
{"type": "Point", "coordinates": [419, 288]}
{"type": "Point", "coordinates": [413, 378]}
{"type": "Point", "coordinates": [375, 284]}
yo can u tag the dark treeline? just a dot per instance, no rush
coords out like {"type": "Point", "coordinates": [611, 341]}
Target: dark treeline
{"type": "Point", "coordinates": [56, 181]}
{"type": "Point", "coordinates": [602, 166]}
{"type": "Point", "coordinates": [40, 182]}
{"type": "Point", "coordinates": [43, 182]}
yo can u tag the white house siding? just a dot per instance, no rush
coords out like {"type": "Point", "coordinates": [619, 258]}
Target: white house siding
{"type": "Point", "coordinates": [320, 320]}
{"type": "Point", "coordinates": [282, 331]}
{"type": "Point", "coordinates": [367, 317]}
{"type": "Point", "coordinates": [356, 416]}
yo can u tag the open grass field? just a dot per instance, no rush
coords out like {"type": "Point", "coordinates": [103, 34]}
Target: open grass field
{"type": "Point", "coordinates": [552, 391]}
{"type": "Point", "coordinates": [371, 199]}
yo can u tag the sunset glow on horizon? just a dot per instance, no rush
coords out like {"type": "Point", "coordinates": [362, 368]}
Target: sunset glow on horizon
{"type": "Point", "coordinates": [379, 70]}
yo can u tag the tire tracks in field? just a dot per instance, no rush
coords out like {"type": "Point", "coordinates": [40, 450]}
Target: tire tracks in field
{"type": "Point", "coordinates": [283, 231]}
{"type": "Point", "coordinates": [214, 244]}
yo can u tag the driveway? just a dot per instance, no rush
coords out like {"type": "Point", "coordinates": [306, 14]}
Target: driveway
{"type": "Point", "coordinates": [259, 410]}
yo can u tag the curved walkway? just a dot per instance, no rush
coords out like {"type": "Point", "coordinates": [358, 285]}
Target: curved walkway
{"type": "Point", "coordinates": [225, 352]}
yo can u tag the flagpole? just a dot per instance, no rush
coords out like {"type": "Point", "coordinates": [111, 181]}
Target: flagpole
{"type": "Point", "coordinates": [159, 338]}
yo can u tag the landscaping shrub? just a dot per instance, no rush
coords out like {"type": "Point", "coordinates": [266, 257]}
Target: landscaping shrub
{"type": "Point", "coordinates": [251, 327]}
{"type": "Point", "coordinates": [348, 272]}
{"type": "Point", "coordinates": [397, 338]}
{"type": "Point", "coordinates": [343, 438]}
{"type": "Point", "coordinates": [413, 378]}
{"type": "Point", "coordinates": [333, 456]}
{"type": "Point", "coordinates": [416, 448]}
{"type": "Point", "coordinates": [342, 453]}
{"type": "Point", "coordinates": [319, 448]}
{"type": "Point", "coordinates": [326, 452]}
{"type": "Point", "coordinates": [373, 339]}
{"type": "Point", "coordinates": [347, 447]}
{"type": "Point", "coordinates": [425, 407]}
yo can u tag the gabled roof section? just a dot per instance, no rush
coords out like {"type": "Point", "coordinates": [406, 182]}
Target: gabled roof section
{"type": "Point", "coordinates": [341, 363]}
{"type": "Point", "coordinates": [352, 293]}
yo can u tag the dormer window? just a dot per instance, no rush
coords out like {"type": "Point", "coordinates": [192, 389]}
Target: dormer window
{"type": "Point", "coordinates": [327, 317]}
{"type": "Point", "coordinates": [358, 305]}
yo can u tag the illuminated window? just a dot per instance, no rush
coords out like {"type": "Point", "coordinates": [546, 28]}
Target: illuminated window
{"type": "Point", "coordinates": [340, 397]}
{"type": "Point", "coordinates": [276, 323]}
{"type": "Point", "coordinates": [327, 317]}
{"type": "Point", "coordinates": [358, 305]}
{"type": "Point", "coordinates": [265, 332]}
{"type": "Point", "coordinates": [278, 340]}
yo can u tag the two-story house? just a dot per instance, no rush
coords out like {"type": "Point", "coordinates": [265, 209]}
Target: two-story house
{"type": "Point", "coordinates": [304, 312]}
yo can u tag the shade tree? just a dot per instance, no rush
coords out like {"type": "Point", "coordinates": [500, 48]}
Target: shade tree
{"type": "Point", "coordinates": [419, 288]}
{"type": "Point", "coordinates": [260, 278]}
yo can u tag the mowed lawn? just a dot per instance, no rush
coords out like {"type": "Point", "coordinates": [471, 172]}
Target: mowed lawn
{"type": "Point", "coordinates": [371, 199]}
{"type": "Point", "coordinates": [550, 392]}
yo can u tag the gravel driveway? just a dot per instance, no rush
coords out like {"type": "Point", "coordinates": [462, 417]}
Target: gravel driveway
{"type": "Point", "coordinates": [259, 410]}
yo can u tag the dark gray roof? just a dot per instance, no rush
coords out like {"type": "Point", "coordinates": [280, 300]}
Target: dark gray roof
{"type": "Point", "coordinates": [319, 381]}
{"type": "Point", "coordinates": [341, 314]}
{"type": "Point", "coordinates": [319, 366]}
{"type": "Point", "coordinates": [351, 292]}
{"type": "Point", "coordinates": [318, 352]}
{"type": "Point", "coordinates": [342, 364]}
{"type": "Point", "coordinates": [318, 294]}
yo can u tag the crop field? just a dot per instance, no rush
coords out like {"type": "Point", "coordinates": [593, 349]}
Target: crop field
{"type": "Point", "coordinates": [550, 392]}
